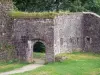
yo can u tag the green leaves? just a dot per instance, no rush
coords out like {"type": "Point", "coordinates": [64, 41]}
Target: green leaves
{"type": "Point", "coordinates": [93, 5]}
{"type": "Point", "coordinates": [56, 5]}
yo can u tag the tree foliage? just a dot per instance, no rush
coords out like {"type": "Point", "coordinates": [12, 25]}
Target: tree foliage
{"type": "Point", "coordinates": [56, 5]}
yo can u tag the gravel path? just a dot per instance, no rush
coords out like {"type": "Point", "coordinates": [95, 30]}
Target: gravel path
{"type": "Point", "coordinates": [29, 67]}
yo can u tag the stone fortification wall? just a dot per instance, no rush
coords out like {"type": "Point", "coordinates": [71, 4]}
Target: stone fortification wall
{"type": "Point", "coordinates": [5, 27]}
{"type": "Point", "coordinates": [77, 32]}
{"type": "Point", "coordinates": [70, 28]}
{"type": "Point", "coordinates": [33, 30]}
{"type": "Point", "coordinates": [91, 32]}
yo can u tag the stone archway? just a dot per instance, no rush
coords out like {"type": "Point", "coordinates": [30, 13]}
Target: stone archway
{"type": "Point", "coordinates": [31, 44]}
{"type": "Point", "coordinates": [49, 51]}
{"type": "Point", "coordinates": [39, 54]}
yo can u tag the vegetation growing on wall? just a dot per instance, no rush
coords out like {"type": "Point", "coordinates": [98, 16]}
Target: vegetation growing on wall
{"type": "Point", "coordinates": [19, 14]}
{"type": "Point", "coordinates": [8, 49]}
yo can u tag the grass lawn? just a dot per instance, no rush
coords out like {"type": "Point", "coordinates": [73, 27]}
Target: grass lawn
{"type": "Point", "coordinates": [38, 55]}
{"type": "Point", "coordinates": [76, 64]}
{"type": "Point", "coordinates": [7, 66]}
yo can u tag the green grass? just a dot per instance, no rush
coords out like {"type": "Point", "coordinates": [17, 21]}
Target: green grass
{"type": "Point", "coordinates": [20, 14]}
{"type": "Point", "coordinates": [8, 66]}
{"type": "Point", "coordinates": [38, 55]}
{"type": "Point", "coordinates": [76, 64]}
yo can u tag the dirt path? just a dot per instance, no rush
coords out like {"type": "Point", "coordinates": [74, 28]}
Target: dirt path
{"type": "Point", "coordinates": [38, 63]}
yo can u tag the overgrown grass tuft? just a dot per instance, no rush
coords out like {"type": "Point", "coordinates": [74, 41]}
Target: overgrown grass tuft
{"type": "Point", "coordinates": [20, 14]}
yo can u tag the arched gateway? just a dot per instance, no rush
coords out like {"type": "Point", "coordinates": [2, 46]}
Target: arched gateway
{"type": "Point", "coordinates": [32, 48]}
{"type": "Point", "coordinates": [29, 31]}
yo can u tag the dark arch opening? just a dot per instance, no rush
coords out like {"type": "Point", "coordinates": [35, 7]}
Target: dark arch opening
{"type": "Point", "coordinates": [39, 47]}
{"type": "Point", "coordinates": [88, 39]}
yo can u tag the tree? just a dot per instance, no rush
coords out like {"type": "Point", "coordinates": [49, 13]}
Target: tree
{"type": "Point", "coordinates": [93, 5]}
{"type": "Point", "coordinates": [34, 5]}
{"type": "Point", "coordinates": [56, 5]}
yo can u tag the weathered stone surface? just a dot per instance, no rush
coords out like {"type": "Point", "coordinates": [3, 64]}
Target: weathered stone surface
{"type": "Point", "coordinates": [5, 26]}
{"type": "Point", "coordinates": [77, 32]}
{"type": "Point", "coordinates": [70, 32]}
{"type": "Point", "coordinates": [91, 32]}
{"type": "Point", "coordinates": [3, 55]}
{"type": "Point", "coordinates": [33, 30]}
